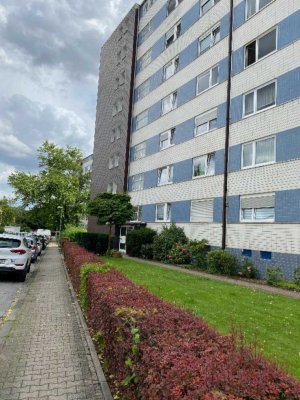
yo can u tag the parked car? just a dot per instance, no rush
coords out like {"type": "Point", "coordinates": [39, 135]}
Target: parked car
{"type": "Point", "coordinates": [33, 245]}
{"type": "Point", "coordinates": [15, 255]}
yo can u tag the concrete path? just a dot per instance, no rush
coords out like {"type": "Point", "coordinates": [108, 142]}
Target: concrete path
{"type": "Point", "coordinates": [239, 282]}
{"type": "Point", "coordinates": [47, 353]}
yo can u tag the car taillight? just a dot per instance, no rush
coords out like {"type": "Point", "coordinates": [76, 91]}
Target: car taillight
{"type": "Point", "coordinates": [18, 251]}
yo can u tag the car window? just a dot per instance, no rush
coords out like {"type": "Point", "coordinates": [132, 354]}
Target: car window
{"type": "Point", "coordinates": [9, 243]}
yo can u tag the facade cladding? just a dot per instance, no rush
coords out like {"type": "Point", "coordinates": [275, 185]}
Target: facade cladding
{"type": "Point", "coordinates": [181, 120]}
{"type": "Point", "coordinates": [113, 118]}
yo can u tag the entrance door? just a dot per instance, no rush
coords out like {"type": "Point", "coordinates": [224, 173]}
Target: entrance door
{"type": "Point", "coordinates": [122, 240]}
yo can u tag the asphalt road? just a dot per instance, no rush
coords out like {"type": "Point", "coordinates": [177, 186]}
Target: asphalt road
{"type": "Point", "coordinates": [10, 289]}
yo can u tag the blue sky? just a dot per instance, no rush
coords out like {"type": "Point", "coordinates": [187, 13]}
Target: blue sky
{"type": "Point", "coordinates": [49, 62]}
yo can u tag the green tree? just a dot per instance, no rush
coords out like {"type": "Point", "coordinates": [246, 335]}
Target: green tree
{"type": "Point", "coordinates": [7, 212]}
{"type": "Point", "coordinates": [59, 182]}
{"type": "Point", "coordinates": [111, 209]}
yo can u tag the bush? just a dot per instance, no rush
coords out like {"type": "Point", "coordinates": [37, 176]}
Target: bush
{"type": "Point", "coordinates": [199, 251]}
{"type": "Point", "coordinates": [136, 238]}
{"type": "Point", "coordinates": [297, 276]}
{"type": "Point", "coordinates": [71, 231]}
{"type": "Point", "coordinates": [221, 262]}
{"type": "Point", "coordinates": [273, 275]}
{"type": "Point", "coordinates": [96, 242]}
{"type": "Point", "coordinates": [180, 255]}
{"type": "Point", "coordinates": [147, 251]}
{"type": "Point", "coordinates": [157, 351]}
{"type": "Point", "coordinates": [163, 243]}
{"type": "Point", "coordinates": [248, 270]}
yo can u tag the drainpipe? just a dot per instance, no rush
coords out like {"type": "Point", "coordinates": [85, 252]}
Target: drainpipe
{"type": "Point", "coordinates": [227, 129]}
{"type": "Point", "coordinates": [125, 185]}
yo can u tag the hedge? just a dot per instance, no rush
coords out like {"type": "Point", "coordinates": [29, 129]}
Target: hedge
{"type": "Point", "coordinates": [96, 242]}
{"type": "Point", "coordinates": [136, 238]}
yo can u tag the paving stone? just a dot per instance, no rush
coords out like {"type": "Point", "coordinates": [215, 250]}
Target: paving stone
{"type": "Point", "coordinates": [45, 355]}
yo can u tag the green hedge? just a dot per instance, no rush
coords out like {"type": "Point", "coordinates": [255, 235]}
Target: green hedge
{"type": "Point", "coordinates": [96, 242]}
{"type": "Point", "coordinates": [136, 238]}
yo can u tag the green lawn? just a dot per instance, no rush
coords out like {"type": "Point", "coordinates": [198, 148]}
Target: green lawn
{"type": "Point", "coordinates": [271, 321]}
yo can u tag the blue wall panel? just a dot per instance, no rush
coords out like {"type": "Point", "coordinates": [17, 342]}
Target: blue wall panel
{"type": "Point", "coordinates": [180, 211]}
{"type": "Point", "coordinates": [154, 112]}
{"type": "Point", "coordinates": [235, 158]}
{"type": "Point", "coordinates": [288, 145]}
{"type": "Point", "coordinates": [183, 171]}
{"type": "Point", "coordinates": [159, 17]}
{"type": "Point", "coordinates": [289, 30]}
{"type": "Point", "coordinates": [158, 48]}
{"type": "Point", "coordinates": [190, 17]}
{"type": "Point", "coordinates": [185, 131]}
{"type": "Point", "coordinates": [224, 26]}
{"type": "Point", "coordinates": [221, 122]}
{"type": "Point", "coordinates": [156, 79]}
{"type": "Point", "coordinates": [219, 168]}
{"type": "Point", "coordinates": [129, 184]}
{"type": "Point", "coordinates": [239, 15]}
{"type": "Point", "coordinates": [150, 179]}
{"type": "Point", "coordinates": [148, 213]}
{"type": "Point", "coordinates": [223, 70]}
{"type": "Point", "coordinates": [152, 145]}
{"type": "Point", "coordinates": [236, 109]}
{"type": "Point", "coordinates": [287, 206]}
{"type": "Point", "coordinates": [288, 86]}
{"type": "Point", "coordinates": [188, 55]}
{"type": "Point", "coordinates": [233, 210]}
{"type": "Point", "coordinates": [238, 61]}
{"type": "Point", "coordinates": [218, 206]}
{"type": "Point", "coordinates": [186, 92]}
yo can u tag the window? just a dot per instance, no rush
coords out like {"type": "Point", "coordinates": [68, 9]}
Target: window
{"type": "Point", "coordinates": [117, 107]}
{"type": "Point", "coordinates": [141, 120]}
{"type": "Point", "coordinates": [259, 208]}
{"type": "Point", "coordinates": [145, 32]}
{"type": "Point", "coordinates": [247, 253]}
{"type": "Point", "coordinates": [137, 214]}
{"type": "Point", "coordinates": [258, 153]}
{"type": "Point", "coordinates": [206, 5]}
{"type": "Point", "coordinates": [115, 134]}
{"type": "Point", "coordinates": [253, 6]}
{"type": "Point", "coordinates": [139, 151]}
{"type": "Point", "coordinates": [266, 255]}
{"type": "Point", "coordinates": [146, 6]}
{"type": "Point", "coordinates": [209, 40]}
{"type": "Point", "coordinates": [163, 212]}
{"type": "Point", "coordinates": [165, 175]}
{"type": "Point", "coordinates": [261, 47]}
{"type": "Point", "coordinates": [260, 99]}
{"type": "Point", "coordinates": [169, 103]}
{"type": "Point", "coordinates": [145, 60]}
{"type": "Point", "coordinates": [171, 68]}
{"type": "Point", "coordinates": [112, 188]}
{"type": "Point", "coordinates": [206, 122]}
{"type": "Point", "coordinates": [202, 210]}
{"type": "Point", "coordinates": [173, 34]}
{"type": "Point", "coordinates": [166, 139]}
{"type": "Point", "coordinates": [113, 161]}
{"type": "Point", "coordinates": [208, 79]}
{"type": "Point", "coordinates": [172, 4]}
{"type": "Point", "coordinates": [143, 90]}
{"type": "Point", "coordinates": [137, 182]}
{"type": "Point", "coordinates": [204, 165]}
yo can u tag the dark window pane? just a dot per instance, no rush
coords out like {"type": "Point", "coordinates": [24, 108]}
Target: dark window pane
{"type": "Point", "coordinates": [267, 44]}
{"type": "Point", "coordinates": [250, 53]}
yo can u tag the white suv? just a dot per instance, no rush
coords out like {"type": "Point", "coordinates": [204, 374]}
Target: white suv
{"type": "Point", "coordinates": [15, 255]}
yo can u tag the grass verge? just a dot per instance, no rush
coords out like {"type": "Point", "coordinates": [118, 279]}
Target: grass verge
{"type": "Point", "coordinates": [270, 321]}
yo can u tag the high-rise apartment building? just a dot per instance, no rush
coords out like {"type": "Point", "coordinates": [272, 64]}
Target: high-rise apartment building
{"type": "Point", "coordinates": [215, 133]}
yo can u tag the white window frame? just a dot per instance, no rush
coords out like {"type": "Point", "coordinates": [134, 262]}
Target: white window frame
{"type": "Point", "coordinates": [139, 151]}
{"type": "Point", "coordinates": [143, 90]}
{"type": "Point", "coordinates": [137, 182]}
{"type": "Point", "coordinates": [141, 120]}
{"type": "Point", "coordinates": [111, 162]}
{"type": "Point", "coordinates": [206, 165]}
{"type": "Point", "coordinates": [146, 59]}
{"type": "Point", "coordinates": [174, 64]}
{"type": "Point", "coordinates": [257, 9]}
{"type": "Point", "coordinates": [169, 171]}
{"type": "Point", "coordinates": [253, 210]}
{"type": "Point", "coordinates": [167, 212]}
{"type": "Point", "coordinates": [214, 2]}
{"type": "Point", "coordinates": [170, 137]}
{"type": "Point", "coordinates": [116, 160]}
{"type": "Point", "coordinates": [137, 214]}
{"type": "Point", "coordinates": [173, 32]}
{"type": "Point", "coordinates": [177, 2]}
{"type": "Point", "coordinates": [254, 143]}
{"type": "Point", "coordinates": [210, 79]}
{"type": "Point", "coordinates": [212, 40]}
{"type": "Point", "coordinates": [173, 101]}
{"type": "Point", "coordinates": [112, 188]}
{"type": "Point", "coordinates": [256, 40]}
{"type": "Point", "coordinates": [207, 123]}
{"type": "Point", "coordinates": [255, 99]}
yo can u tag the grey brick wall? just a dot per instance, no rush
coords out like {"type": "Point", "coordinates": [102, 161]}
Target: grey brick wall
{"type": "Point", "coordinates": [116, 63]}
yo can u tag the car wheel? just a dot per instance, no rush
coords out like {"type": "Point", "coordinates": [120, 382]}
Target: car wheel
{"type": "Point", "coordinates": [21, 276]}
{"type": "Point", "coordinates": [33, 260]}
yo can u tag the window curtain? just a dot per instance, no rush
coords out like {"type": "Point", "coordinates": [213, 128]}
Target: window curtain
{"type": "Point", "coordinates": [251, 7]}
{"type": "Point", "coordinates": [265, 151]}
{"type": "Point", "coordinates": [266, 96]}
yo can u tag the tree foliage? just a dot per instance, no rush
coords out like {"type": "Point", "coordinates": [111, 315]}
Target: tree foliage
{"type": "Point", "coordinates": [111, 209]}
{"type": "Point", "coordinates": [7, 212]}
{"type": "Point", "coordinates": [59, 182]}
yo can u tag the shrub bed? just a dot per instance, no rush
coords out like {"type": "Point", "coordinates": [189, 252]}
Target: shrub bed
{"type": "Point", "coordinates": [136, 238]}
{"type": "Point", "coordinates": [96, 242]}
{"type": "Point", "coordinates": [161, 352]}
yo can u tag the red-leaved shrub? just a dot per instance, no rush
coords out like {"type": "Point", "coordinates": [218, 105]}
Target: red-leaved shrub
{"type": "Point", "coordinates": [161, 352]}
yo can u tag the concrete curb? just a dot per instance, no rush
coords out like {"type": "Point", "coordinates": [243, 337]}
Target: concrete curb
{"type": "Point", "coordinates": [101, 377]}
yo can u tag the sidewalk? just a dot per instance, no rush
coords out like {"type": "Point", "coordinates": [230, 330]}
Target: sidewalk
{"type": "Point", "coordinates": [46, 355]}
